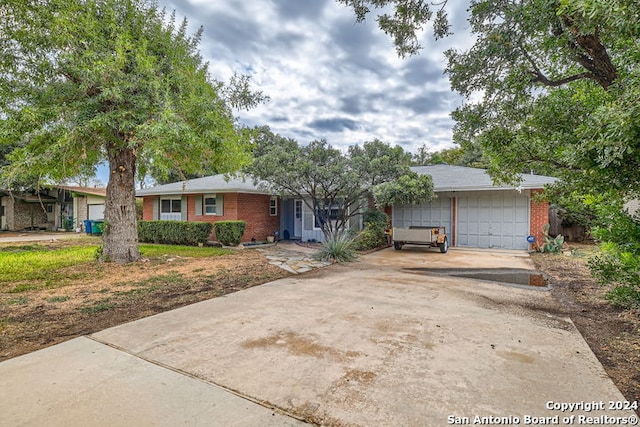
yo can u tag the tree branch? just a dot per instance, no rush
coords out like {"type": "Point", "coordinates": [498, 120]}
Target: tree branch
{"type": "Point", "coordinates": [540, 77]}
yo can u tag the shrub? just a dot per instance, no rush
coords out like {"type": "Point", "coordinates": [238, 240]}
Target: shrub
{"type": "Point", "coordinates": [375, 217]}
{"type": "Point", "coordinates": [338, 246]}
{"type": "Point", "coordinates": [373, 236]}
{"type": "Point", "coordinates": [551, 244]}
{"type": "Point", "coordinates": [229, 233]}
{"type": "Point", "coordinates": [174, 232]}
{"type": "Point", "coordinates": [618, 263]}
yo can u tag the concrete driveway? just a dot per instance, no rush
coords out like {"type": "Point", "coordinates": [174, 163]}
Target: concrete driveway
{"type": "Point", "coordinates": [384, 341]}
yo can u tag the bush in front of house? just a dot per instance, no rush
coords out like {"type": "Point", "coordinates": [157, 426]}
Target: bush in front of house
{"type": "Point", "coordinates": [373, 235]}
{"type": "Point", "coordinates": [174, 232]}
{"type": "Point", "coordinates": [229, 233]}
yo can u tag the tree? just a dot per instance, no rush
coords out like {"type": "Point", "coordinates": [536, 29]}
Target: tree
{"type": "Point", "coordinates": [84, 81]}
{"type": "Point", "coordinates": [459, 156]}
{"type": "Point", "coordinates": [404, 19]}
{"type": "Point", "coordinates": [331, 183]}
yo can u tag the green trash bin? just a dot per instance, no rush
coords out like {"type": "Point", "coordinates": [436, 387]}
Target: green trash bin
{"type": "Point", "coordinates": [97, 227]}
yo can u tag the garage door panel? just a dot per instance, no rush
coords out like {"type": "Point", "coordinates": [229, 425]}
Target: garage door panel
{"type": "Point", "coordinates": [436, 213]}
{"type": "Point", "coordinates": [493, 220]}
{"type": "Point", "coordinates": [96, 211]}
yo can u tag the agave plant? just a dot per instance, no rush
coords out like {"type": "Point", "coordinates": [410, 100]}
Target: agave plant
{"type": "Point", "coordinates": [338, 246]}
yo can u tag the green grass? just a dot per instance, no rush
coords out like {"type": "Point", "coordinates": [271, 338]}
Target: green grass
{"type": "Point", "coordinates": [18, 301]}
{"type": "Point", "coordinates": [36, 266]}
{"type": "Point", "coordinates": [156, 251]}
{"type": "Point", "coordinates": [23, 248]}
{"type": "Point", "coordinates": [99, 307]}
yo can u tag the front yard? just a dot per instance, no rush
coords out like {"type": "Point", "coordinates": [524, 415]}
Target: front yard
{"type": "Point", "coordinates": [55, 291]}
{"type": "Point", "coordinates": [612, 333]}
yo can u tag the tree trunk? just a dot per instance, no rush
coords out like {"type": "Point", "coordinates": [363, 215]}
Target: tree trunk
{"type": "Point", "coordinates": [120, 238]}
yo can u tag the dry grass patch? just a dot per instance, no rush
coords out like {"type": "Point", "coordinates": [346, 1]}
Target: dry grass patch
{"type": "Point", "coordinates": [68, 300]}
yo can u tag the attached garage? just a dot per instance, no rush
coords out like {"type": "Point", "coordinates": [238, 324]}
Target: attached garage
{"type": "Point", "coordinates": [476, 213]}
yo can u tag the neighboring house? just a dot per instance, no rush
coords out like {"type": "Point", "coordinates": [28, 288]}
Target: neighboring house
{"type": "Point", "coordinates": [60, 207]}
{"type": "Point", "coordinates": [476, 213]}
{"type": "Point", "coordinates": [88, 203]}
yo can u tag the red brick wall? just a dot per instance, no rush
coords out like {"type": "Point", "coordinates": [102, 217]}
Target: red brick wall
{"type": "Point", "coordinates": [538, 217]}
{"type": "Point", "coordinates": [254, 208]}
{"type": "Point", "coordinates": [389, 211]}
{"type": "Point", "coordinates": [147, 208]}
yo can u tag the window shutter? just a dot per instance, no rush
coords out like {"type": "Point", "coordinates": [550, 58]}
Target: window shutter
{"type": "Point", "coordinates": [156, 208]}
{"type": "Point", "coordinates": [198, 205]}
{"type": "Point", "coordinates": [183, 208]}
{"type": "Point", "coordinates": [219, 204]}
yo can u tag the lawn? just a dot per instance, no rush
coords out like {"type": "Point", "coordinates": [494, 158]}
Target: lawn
{"type": "Point", "coordinates": [29, 267]}
{"type": "Point", "coordinates": [54, 291]}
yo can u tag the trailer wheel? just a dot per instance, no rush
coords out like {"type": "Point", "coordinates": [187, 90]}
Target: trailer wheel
{"type": "Point", "coordinates": [444, 246]}
{"type": "Point", "coordinates": [397, 246]}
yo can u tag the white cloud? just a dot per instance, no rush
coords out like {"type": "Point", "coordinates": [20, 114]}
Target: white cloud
{"type": "Point", "coordinates": [327, 76]}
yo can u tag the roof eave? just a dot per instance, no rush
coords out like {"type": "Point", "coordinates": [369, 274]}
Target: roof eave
{"type": "Point", "coordinates": [191, 192]}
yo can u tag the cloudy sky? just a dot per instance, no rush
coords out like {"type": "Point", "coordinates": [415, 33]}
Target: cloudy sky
{"type": "Point", "coordinates": [327, 76]}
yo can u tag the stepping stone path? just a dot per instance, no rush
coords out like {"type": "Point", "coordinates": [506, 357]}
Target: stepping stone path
{"type": "Point", "coordinates": [293, 261]}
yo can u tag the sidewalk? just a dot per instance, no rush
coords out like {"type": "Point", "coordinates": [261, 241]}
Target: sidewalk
{"type": "Point", "coordinates": [84, 383]}
{"type": "Point", "coordinates": [29, 236]}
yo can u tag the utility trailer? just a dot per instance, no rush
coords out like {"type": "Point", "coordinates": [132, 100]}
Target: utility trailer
{"type": "Point", "coordinates": [420, 235]}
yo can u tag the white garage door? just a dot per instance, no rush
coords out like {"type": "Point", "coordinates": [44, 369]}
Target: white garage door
{"type": "Point", "coordinates": [96, 211]}
{"type": "Point", "coordinates": [436, 214]}
{"type": "Point", "coordinates": [497, 219]}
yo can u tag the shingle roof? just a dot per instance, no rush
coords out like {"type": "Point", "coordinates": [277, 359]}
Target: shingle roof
{"type": "Point", "coordinates": [460, 178]}
{"type": "Point", "coordinates": [208, 184]}
{"type": "Point", "coordinates": [445, 178]}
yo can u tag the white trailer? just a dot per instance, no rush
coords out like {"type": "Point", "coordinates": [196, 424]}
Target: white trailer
{"type": "Point", "coordinates": [420, 235]}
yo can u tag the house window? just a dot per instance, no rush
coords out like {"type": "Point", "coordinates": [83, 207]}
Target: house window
{"type": "Point", "coordinates": [210, 205]}
{"type": "Point", "coordinates": [171, 209]}
{"type": "Point", "coordinates": [331, 215]}
{"type": "Point", "coordinates": [298, 209]}
{"type": "Point", "coordinates": [273, 206]}
{"type": "Point", "coordinates": [49, 208]}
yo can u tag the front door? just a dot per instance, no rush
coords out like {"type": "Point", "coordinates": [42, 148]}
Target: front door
{"type": "Point", "coordinates": [297, 218]}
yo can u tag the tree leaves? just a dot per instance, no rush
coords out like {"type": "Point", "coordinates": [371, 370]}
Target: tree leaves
{"type": "Point", "coordinates": [326, 178]}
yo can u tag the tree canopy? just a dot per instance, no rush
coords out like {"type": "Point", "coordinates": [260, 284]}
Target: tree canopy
{"type": "Point", "coordinates": [333, 184]}
{"type": "Point", "coordinates": [87, 81]}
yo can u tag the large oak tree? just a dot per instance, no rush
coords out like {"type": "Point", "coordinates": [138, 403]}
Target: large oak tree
{"type": "Point", "coordinates": [88, 81]}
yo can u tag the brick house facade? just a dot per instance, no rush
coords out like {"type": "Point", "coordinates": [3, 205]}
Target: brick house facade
{"type": "Point", "coordinates": [254, 209]}
{"type": "Point", "coordinates": [212, 199]}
